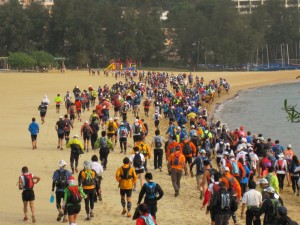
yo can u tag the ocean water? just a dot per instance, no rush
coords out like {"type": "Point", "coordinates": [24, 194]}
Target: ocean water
{"type": "Point", "coordinates": [260, 111]}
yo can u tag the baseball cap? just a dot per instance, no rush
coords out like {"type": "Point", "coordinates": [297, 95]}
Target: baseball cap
{"type": "Point", "coordinates": [226, 153]}
{"type": "Point", "coordinates": [281, 155]}
{"type": "Point", "coordinates": [263, 181]}
{"type": "Point", "coordinates": [269, 190]}
{"type": "Point", "coordinates": [75, 136]}
{"type": "Point", "coordinates": [289, 146]}
{"type": "Point", "coordinates": [62, 163]}
{"type": "Point", "coordinates": [193, 126]}
{"type": "Point", "coordinates": [202, 151]}
{"type": "Point", "coordinates": [71, 180]}
{"type": "Point", "coordinates": [60, 117]}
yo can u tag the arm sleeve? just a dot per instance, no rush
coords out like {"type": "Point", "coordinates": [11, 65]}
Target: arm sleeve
{"type": "Point", "coordinates": [160, 192]}
{"type": "Point", "coordinates": [193, 163]}
{"type": "Point", "coordinates": [142, 193]}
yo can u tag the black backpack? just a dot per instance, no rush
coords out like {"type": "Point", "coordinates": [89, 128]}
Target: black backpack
{"type": "Point", "coordinates": [75, 149]}
{"type": "Point", "coordinates": [137, 160]}
{"type": "Point", "coordinates": [75, 197]}
{"type": "Point", "coordinates": [125, 174]}
{"type": "Point", "coordinates": [62, 181]}
{"type": "Point", "coordinates": [87, 130]}
{"type": "Point", "coordinates": [187, 149]}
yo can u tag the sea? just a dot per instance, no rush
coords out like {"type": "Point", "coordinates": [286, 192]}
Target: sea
{"type": "Point", "coordinates": [260, 111]}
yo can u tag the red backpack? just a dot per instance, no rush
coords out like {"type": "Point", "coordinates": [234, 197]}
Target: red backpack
{"type": "Point", "coordinates": [28, 181]}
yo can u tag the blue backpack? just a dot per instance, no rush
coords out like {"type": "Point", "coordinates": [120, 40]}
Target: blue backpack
{"type": "Point", "coordinates": [150, 190]}
{"type": "Point", "coordinates": [148, 220]}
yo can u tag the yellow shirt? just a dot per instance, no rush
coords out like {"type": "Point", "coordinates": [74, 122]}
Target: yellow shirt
{"type": "Point", "coordinates": [111, 127]}
{"type": "Point", "coordinates": [126, 183]}
{"type": "Point", "coordinates": [144, 149]}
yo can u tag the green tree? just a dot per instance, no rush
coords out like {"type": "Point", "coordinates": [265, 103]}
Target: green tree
{"type": "Point", "coordinates": [21, 61]}
{"type": "Point", "coordinates": [43, 59]}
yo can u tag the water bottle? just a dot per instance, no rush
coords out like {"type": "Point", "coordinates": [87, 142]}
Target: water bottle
{"type": "Point", "coordinates": [51, 198]}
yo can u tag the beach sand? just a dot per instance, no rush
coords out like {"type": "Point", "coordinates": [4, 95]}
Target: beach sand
{"type": "Point", "coordinates": [21, 96]}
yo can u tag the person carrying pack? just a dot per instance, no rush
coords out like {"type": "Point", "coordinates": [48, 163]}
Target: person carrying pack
{"type": "Point", "coordinates": [143, 215]}
{"type": "Point", "coordinates": [76, 149]}
{"type": "Point", "coordinates": [157, 144]}
{"type": "Point", "coordinates": [232, 184]}
{"type": "Point", "coordinates": [88, 179]}
{"type": "Point", "coordinates": [60, 182]}
{"type": "Point", "coordinates": [222, 204]}
{"type": "Point", "coordinates": [74, 196]}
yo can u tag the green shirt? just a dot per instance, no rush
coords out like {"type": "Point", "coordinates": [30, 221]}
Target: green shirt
{"type": "Point", "coordinates": [273, 182]}
{"type": "Point", "coordinates": [67, 194]}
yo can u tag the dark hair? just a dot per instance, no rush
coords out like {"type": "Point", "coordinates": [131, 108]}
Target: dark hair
{"type": "Point", "coordinates": [33, 119]}
{"type": "Point", "coordinates": [143, 208]}
{"type": "Point", "coordinates": [206, 162]}
{"type": "Point", "coordinates": [149, 176]}
{"type": "Point", "coordinates": [24, 169]}
{"type": "Point", "coordinates": [66, 116]}
{"type": "Point", "coordinates": [295, 159]}
{"type": "Point", "coordinates": [271, 169]}
{"type": "Point", "coordinates": [252, 184]}
{"type": "Point", "coordinates": [217, 176]}
{"type": "Point", "coordinates": [241, 160]}
{"type": "Point", "coordinates": [136, 148]}
{"type": "Point", "coordinates": [157, 132]}
{"type": "Point", "coordinates": [126, 160]}
{"type": "Point", "coordinates": [277, 142]}
{"type": "Point", "coordinates": [94, 158]}
{"type": "Point", "coordinates": [103, 133]}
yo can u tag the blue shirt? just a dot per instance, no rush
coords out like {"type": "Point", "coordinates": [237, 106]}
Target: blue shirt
{"type": "Point", "coordinates": [246, 179]}
{"type": "Point", "coordinates": [33, 128]}
{"type": "Point", "coordinates": [56, 177]}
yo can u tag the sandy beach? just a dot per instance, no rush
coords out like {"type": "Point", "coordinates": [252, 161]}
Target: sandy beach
{"type": "Point", "coordinates": [22, 94]}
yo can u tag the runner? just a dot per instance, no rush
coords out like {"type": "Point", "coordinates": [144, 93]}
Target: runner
{"type": "Point", "coordinates": [59, 127]}
{"type": "Point", "coordinates": [99, 171]}
{"type": "Point", "coordinates": [88, 178]}
{"type": "Point", "coordinates": [144, 216]}
{"type": "Point", "coordinates": [111, 129]}
{"type": "Point", "coordinates": [76, 150]}
{"type": "Point", "coordinates": [78, 105]}
{"type": "Point", "coordinates": [145, 150]}
{"type": "Point", "coordinates": [67, 128]}
{"type": "Point", "coordinates": [60, 181]}
{"type": "Point", "coordinates": [126, 177]}
{"type": "Point", "coordinates": [158, 143]}
{"type": "Point", "coordinates": [137, 161]}
{"type": "Point", "coordinates": [152, 192]}
{"type": "Point", "coordinates": [105, 144]}
{"type": "Point", "coordinates": [147, 104]}
{"type": "Point", "coordinates": [176, 161]}
{"type": "Point", "coordinates": [58, 101]}
{"type": "Point", "coordinates": [86, 131]}
{"type": "Point", "coordinates": [26, 184]}
{"type": "Point", "coordinates": [156, 118]}
{"type": "Point", "coordinates": [123, 134]}
{"type": "Point", "coordinates": [34, 130]}
{"type": "Point", "coordinates": [73, 196]}
{"type": "Point", "coordinates": [43, 110]}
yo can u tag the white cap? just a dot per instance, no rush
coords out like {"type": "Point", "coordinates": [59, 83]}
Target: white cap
{"type": "Point", "coordinates": [289, 146]}
{"type": "Point", "coordinates": [62, 163]}
{"type": "Point", "coordinates": [86, 122]}
{"type": "Point", "coordinates": [226, 169]}
{"type": "Point", "coordinates": [75, 136]}
{"type": "Point", "coordinates": [136, 120]}
{"type": "Point", "coordinates": [263, 181]}
{"type": "Point", "coordinates": [270, 190]}
{"type": "Point", "coordinates": [281, 155]}
{"type": "Point", "coordinates": [193, 126]}
{"type": "Point", "coordinates": [202, 151]}
{"type": "Point", "coordinates": [226, 153]}
{"type": "Point", "coordinates": [60, 117]}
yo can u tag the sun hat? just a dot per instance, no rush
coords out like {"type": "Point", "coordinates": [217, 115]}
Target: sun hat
{"type": "Point", "coordinates": [62, 163]}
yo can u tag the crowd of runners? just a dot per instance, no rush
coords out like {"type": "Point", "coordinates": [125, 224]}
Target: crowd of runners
{"type": "Point", "coordinates": [227, 164]}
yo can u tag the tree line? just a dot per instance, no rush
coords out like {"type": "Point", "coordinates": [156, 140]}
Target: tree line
{"type": "Point", "coordinates": [92, 32]}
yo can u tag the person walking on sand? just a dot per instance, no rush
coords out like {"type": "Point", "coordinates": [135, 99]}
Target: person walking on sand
{"type": "Point", "coordinates": [86, 131]}
{"type": "Point", "coordinates": [157, 143]}
{"type": "Point", "coordinates": [126, 177]}
{"type": "Point", "coordinates": [67, 128]}
{"type": "Point", "coordinates": [26, 183]}
{"type": "Point", "coordinates": [43, 110]}
{"type": "Point", "coordinates": [137, 160]}
{"type": "Point", "coordinates": [99, 170]}
{"type": "Point", "coordinates": [58, 101]}
{"type": "Point", "coordinates": [177, 163]}
{"type": "Point", "coordinates": [153, 192]}
{"type": "Point", "coordinates": [60, 181]}
{"type": "Point", "coordinates": [73, 196]}
{"type": "Point", "coordinates": [88, 179]}
{"type": "Point", "coordinates": [76, 149]}
{"type": "Point", "coordinates": [59, 127]}
{"type": "Point", "coordinates": [34, 130]}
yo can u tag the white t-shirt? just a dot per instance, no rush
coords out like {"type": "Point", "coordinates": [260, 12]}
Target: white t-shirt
{"type": "Point", "coordinates": [142, 158]}
{"type": "Point", "coordinates": [97, 167]}
{"type": "Point", "coordinates": [252, 198]}
{"type": "Point", "coordinates": [254, 159]}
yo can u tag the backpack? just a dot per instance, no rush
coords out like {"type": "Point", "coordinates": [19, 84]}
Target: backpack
{"type": "Point", "coordinates": [125, 174]}
{"type": "Point", "coordinates": [89, 180]}
{"type": "Point", "coordinates": [103, 143]}
{"type": "Point", "coordinates": [280, 164]}
{"type": "Point", "coordinates": [221, 149]}
{"type": "Point", "coordinates": [75, 149]}
{"type": "Point", "coordinates": [225, 200]}
{"type": "Point", "coordinates": [235, 169]}
{"type": "Point", "coordinates": [62, 181]}
{"type": "Point", "coordinates": [275, 203]}
{"type": "Point", "coordinates": [176, 159]}
{"type": "Point", "coordinates": [110, 127]}
{"type": "Point", "coordinates": [232, 184]}
{"type": "Point", "coordinates": [75, 196]}
{"type": "Point", "coordinates": [72, 111]}
{"type": "Point", "coordinates": [105, 112]}
{"type": "Point", "coordinates": [148, 220]}
{"type": "Point", "coordinates": [137, 129]}
{"type": "Point", "coordinates": [212, 172]}
{"type": "Point", "coordinates": [137, 160]}
{"type": "Point", "coordinates": [67, 125]}
{"type": "Point", "coordinates": [206, 135]}
{"type": "Point", "coordinates": [86, 130]}
{"type": "Point", "coordinates": [187, 149]}
{"type": "Point", "coordinates": [157, 142]}
{"type": "Point", "coordinates": [147, 103]}
{"type": "Point", "coordinates": [156, 116]}
{"type": "Point", "coordinates": [200, 166]}
{"type": "Point", "coordinates": [28, 182]}
{"type": "Point", "coordinates": [123, 132]}
{"type": "Point", "coordinates": [143, 150]}
{"type": "Point", "coordinates": [150, 190]}
{"type": "Point", "coordinates": [172, 150]}
{"type": "Point", "coordinates": [42, 109]}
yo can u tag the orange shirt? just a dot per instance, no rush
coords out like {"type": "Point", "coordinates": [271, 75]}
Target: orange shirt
{"type": "Point", "coordinates": [288, 154]}
{"type": "Point", "coordinates": [237, 184]}
{"type": "Point", "coordinates": [171, 146]}
{"type": "Point", "coordinates": [78, 105]}
{"type": "Point", "coordinates": [181, 160]}
{"type": "Point", "coordinates": [192, 146]}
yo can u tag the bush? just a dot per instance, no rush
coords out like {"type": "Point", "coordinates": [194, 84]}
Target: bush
{"type": "Point", "coordinates": [43, 59]}
{"type": "Point", "coordinates": [21, 61]}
